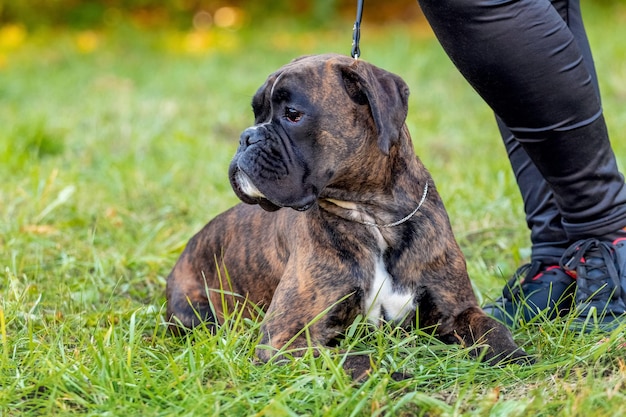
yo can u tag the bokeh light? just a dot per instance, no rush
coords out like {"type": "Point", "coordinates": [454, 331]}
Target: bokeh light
{"type": "Point", "coordinates": [228, 17]}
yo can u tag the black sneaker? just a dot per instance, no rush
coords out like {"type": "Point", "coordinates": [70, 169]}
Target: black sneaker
{"type": "Point", "coordinates": [600, 271]}
{"type": "Point", "coordinates": [535, 289]}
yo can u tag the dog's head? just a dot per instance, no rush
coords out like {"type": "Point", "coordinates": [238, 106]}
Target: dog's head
{"type": "Point", "coordinates": [312, 118]}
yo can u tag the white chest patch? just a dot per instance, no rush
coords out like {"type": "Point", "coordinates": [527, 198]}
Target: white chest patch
{"type": "Point", "coordinates": [382, 302]}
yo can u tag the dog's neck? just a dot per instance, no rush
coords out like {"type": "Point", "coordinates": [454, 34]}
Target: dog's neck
{"type": "Point", "coordinates": [386, 205]}
{"type": "Point", "coordinates": [351, 211]}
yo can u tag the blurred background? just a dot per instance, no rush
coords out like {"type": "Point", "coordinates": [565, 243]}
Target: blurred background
{"type": "Point", "coordinates": [199, 20]}
{"type": "Point", "coordinates": [182, 13]}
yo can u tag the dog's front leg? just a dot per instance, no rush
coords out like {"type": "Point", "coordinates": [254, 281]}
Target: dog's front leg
{"type": "Point", "coordinates": [303, 315]}
{"type": "Point", "coordinates": [309, 310]}
{"type": "Point", "coordinates": [474, 327]}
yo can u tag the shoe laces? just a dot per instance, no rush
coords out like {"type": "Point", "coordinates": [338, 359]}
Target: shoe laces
{"type": "Point", "coordinates": [593, 263]}
{"type": "Point", "coordinates": [529, 273]}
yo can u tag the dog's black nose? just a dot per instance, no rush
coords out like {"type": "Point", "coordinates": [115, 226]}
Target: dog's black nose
{"type": "Point", "coordinates": [250, 136]}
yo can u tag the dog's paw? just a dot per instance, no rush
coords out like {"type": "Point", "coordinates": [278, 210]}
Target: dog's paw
{"type": "Point", "coordinates": [400, 376]}
{"type": "Point", "coordinates": [516, 357]}
{"type": "Point", "coordinates": [359, 367]}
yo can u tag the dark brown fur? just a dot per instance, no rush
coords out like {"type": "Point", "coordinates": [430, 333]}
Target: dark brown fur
{"type": "Point", "coordinates": [348, 159]}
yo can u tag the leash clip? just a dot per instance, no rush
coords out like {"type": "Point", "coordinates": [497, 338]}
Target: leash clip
{"type": "Point", "coordinates": [356, 31]}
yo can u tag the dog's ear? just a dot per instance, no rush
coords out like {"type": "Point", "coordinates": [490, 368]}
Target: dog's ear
{"type": "Point", "coordinates": [387, 95]}
{"type": "Point", "coordinates": [261, 99]}
{"type": "Point", "coordinates": [302, 57]}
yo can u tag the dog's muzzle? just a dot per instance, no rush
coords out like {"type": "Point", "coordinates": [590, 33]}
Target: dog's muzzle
{"type": "Point", "coordinates": [267, 170]}
{"type": "Point", "coordinates": [247, 191]}
{"type": "Point", "coordinates": [246, 186]}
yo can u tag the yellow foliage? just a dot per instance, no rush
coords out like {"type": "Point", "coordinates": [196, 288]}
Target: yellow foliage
{"type": "Point", "coordinates": [87, 41]}
{"type": "Point", "coordinates": [12, 36]}
{"type": "Point", "coordinates": [199, 42]}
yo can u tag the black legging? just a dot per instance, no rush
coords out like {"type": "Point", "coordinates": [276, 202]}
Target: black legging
{"type": "Point", "coordinates": [530, 61]}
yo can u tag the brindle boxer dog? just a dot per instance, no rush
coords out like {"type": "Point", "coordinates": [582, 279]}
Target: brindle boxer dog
{"type": "Point", "coordinates": [341, 219]}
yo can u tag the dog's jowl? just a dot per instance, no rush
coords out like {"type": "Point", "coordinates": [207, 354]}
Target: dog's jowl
{"type": "Point", "coordinates": [339, 218]}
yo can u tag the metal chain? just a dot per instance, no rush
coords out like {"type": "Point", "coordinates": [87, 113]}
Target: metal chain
{"type": "Point", "coordinates": [356, 30]}
{"type": "Point", "coordinates": [399, 222]}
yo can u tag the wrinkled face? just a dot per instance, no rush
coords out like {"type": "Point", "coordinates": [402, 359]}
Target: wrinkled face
{"type": "Point", "coordinates": [280, 161]}
{"type": "Point", "coordinates": [308, 122]}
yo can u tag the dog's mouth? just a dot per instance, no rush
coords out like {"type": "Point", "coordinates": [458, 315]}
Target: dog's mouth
{"type": "Point", "coordinates": [249, 193]}
{"type": "Point", "coordinates": [246, 186]}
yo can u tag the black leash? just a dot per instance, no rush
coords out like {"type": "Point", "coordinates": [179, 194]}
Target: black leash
{"type": "Point", "coordinates": [356, 30]}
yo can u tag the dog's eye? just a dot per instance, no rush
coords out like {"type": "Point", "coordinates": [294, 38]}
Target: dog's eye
{"type": "Point", "coordinates": [292, 114]}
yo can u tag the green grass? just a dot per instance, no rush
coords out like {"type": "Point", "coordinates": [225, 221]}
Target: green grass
{"type": "Point", "coordinates": [114, 148]}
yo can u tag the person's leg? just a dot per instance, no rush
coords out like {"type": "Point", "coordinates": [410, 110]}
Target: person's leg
{"type": "Point", "coordinates": [547, 236]}
{"type": "Point", "coordinates": [541, 285]}
{"type": "Point", "coordinates": [531, 62]}
{"type": "Point", "coordinates": [523, 59]}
